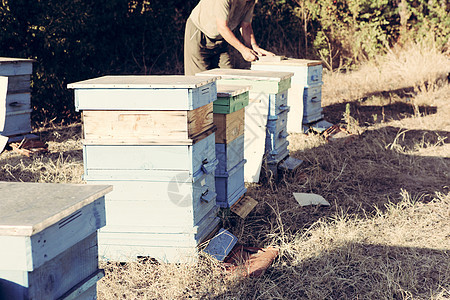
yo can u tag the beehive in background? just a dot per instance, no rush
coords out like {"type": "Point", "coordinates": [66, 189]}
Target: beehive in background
{"type": "Point", "coordinates": [267, 104]}
{"type": "Point", "coordinates": [152, 138]}
{"type": "Point", "coordinates": [48, 238]}
{"type": "Point", "coordinates": [18, 100]}
{"type": "Point", "coordinates": [305, 94]}
{"type": "Point", "coordinates": [229, 117]}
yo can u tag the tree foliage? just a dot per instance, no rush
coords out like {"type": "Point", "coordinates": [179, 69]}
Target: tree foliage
{"type": "Point", "coordinates": [73, 40]}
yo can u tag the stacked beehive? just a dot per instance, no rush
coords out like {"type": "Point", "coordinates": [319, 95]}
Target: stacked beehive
{"type": "Point", "coordinates": [48, 238]}
{"type": "Point", "coordinates": [305, 94]}
{"type": "Point", "coordinates": [18, 99]}
{"type": "Point", "coordinates": [229, 117]}
{"type": "Point", "coordinates": [266, 115]}
{"type": "Point", "coordinates": [152, 138]}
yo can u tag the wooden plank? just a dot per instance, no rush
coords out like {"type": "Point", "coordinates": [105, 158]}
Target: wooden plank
{"type": "Point", "coordinates": [19, 84]}
{"type": "Point", "coordinates": [229, 90]}
{"type": "Point", "coordinates": [144, 98]}
{"type": "Point", "coordinates": [144, 81]}
{"type": "Point", "coordinates": [200, 120]}
{"type": "Point", "coordinates": [255, 75]}
{"type": "Point", "coordinates": [137, 142]}
{"type": "Point", "coordinates": [177, 158]}
{"type": "Point", "coordinates": [229, 126]}
{"type": "Point", "coordinates": [244, 206]}
{"type": "Point", "coordinates": [28, 208]}
{"type": "Point", "coordinates": [283, 61]}
{"type": "Point", "coordinates": [146, 125]}
{"type": "Point", "coordinates": [254, 135]}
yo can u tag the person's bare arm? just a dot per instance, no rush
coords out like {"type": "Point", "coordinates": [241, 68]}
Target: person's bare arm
{"type": "Point", "coordinates": [247, 53]}
{"type": "Point", "coordinates": [249, 39]}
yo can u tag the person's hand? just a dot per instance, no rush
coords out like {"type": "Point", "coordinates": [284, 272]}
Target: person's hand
{"type": "Point", "coordinates": [261, 52]}
{"type": "Point", "coordinates": [249, 54]}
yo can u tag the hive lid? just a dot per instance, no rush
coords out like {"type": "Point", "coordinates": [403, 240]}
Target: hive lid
{"type": "Point", "coordinates": [27, 208]}
{"type": "Point", "coordinates": [247, 74]}
{"type": "Point", "coordinates": [13, 60]}
{"type": "Point", "coordinates": [289, 62]}
{"type": "Point", "coordinates": [143, 81]}
{"type": "Point", "coordinates": [228, 90]}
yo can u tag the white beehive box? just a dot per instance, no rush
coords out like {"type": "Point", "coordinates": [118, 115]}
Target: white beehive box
{"type": "Point", "coordinates": [17, 109]}
{"type": "Point", "coordinates": [48, 238]}
{"type": "Point", "coordinates": [306, 73]}
{"type": "Point", "coordinates": [266, 87]}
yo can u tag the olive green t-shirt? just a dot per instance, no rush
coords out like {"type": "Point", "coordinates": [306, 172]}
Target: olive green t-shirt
{"type": "Point", "coordinates": [234, 12]}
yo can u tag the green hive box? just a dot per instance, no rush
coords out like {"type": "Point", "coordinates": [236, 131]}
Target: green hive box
{"type": "Point", "coordinates": [230, 98]}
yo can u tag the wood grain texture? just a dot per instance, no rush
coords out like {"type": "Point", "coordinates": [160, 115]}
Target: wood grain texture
{"type": "Point", "coordinates": [27, 208]}
{"type": "Point", "coordinates": [229, 126]}
{"type": "Point", "coordinates": [244, 206]}
{"type": "Point", "coordinates": [126, 126]}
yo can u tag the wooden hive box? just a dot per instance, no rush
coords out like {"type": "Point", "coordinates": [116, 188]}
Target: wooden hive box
{"type": "Point", "coordinates": [306, 73]}
{"type": "Point", "coordinates": [48, 234]}
{"type": "Point", "coordinates": [152, 138]}
{"type": "Point", "coordinates": [231, 98]}
{"type": "Point", "coordinates": [18, 100]}
{"type": "Point", "coordinates": [265, 85]}
{"type": "Point", "coordinates": [230, 186]}
{"type": "Point", "coordinates": [312, 104]}
{"type": "Point", "coordinates": [161, 110]}
{"type": "Point", "coordinates": [229, 126]}
{"type": "Point", "coordinates": [230, 183]}
{"type": "Point", "coordinates": [276, 133]}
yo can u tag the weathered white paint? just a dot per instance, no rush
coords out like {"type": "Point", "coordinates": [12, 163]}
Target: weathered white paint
{"type": "Point", "coordinates": [306, 72]}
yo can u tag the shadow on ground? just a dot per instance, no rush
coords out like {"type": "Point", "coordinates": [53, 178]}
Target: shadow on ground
{"type": "Point", "coordinates": [352, 271]}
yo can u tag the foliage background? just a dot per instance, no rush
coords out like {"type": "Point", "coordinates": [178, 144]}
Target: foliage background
{"type": "Point", "coordinates": [73, 40]}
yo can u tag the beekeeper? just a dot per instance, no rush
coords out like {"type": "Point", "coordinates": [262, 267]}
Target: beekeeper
{"type": "Point", "coordinates": [209, 32]}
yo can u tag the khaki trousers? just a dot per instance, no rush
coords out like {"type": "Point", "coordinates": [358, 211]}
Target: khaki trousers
{"type": "Point", "coordinates": [202, 53]}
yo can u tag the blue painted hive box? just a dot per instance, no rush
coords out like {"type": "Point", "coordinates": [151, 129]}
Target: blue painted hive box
{"type": "Point", "coordinates": [18, 100]}
{"type": "Point", "coordinates": [312, 104]}
{"type": "Point", "coordinates": [230, 186]}
{"type": "Point", "coordinates": [48, 234]}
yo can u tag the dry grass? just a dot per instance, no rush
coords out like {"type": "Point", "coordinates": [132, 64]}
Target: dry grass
{"type": "Point", "coordinates": [386, 234]}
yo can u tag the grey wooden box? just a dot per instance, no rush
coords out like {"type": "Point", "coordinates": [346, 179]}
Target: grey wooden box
{"type": "Point", "coordinates": [48, 238]}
